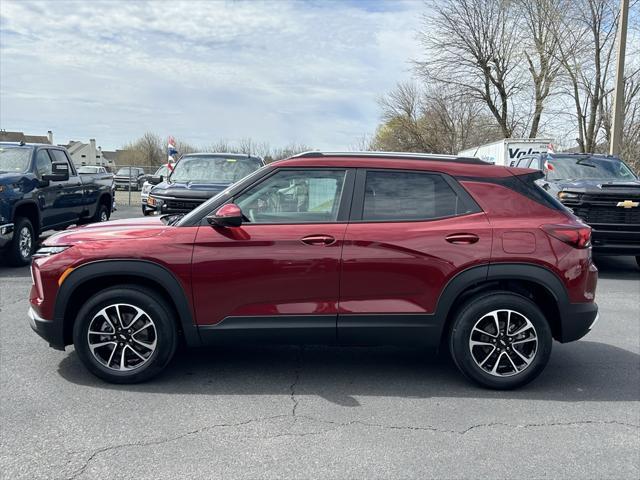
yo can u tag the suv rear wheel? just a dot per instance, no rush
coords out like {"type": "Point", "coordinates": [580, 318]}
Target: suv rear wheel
{"type": "Point", "coordinates": [500, 340]}
{"type": "Point", "coordinates": [125, 334]}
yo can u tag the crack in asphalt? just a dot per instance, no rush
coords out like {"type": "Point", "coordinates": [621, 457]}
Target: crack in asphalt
{"type": "Point", "coordinates": [161, 441]}
{"type": "Point", "coordinates": [336, 426]}
{"type": "Point", "coordinates": [292, 387]}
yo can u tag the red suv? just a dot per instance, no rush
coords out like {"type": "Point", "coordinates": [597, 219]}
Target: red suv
{"type": "Point", "coordinates": [330, 248]}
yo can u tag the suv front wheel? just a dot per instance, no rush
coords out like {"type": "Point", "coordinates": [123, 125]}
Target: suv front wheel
{"type": "Point", "coordinates": [125, 334]}
{"type": "Point", "coordinates": [500, 340]}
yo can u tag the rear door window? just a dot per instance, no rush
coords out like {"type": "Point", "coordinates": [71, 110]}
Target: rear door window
{"type": "Point", "coordinates": [409, 196]}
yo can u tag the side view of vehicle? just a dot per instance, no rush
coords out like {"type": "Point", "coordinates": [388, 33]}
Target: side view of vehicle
{"type": "Point", "coordinates": [330, 248]}
{"type": "Point", "coordinates": [601, 190]}
{"type": "Point", "coordinates": [41, 190]}
{"type": "Point", "coordinates": [196, 178]}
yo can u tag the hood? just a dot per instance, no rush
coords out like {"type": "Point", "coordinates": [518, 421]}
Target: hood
{"type": "Point", "coordinates": [131, 228]}
{"type": "Point", "coordinates": [197, 190]}
{"type": "Point", "coordinates": [595, 186]}
{"type": "Point", "coordinates": [10, 178]}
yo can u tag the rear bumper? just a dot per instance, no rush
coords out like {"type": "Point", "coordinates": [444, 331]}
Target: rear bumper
{"type": "Point", "coordinates": [6, 234]}
{"type": "Point", "coordinates": [577, 320]}
{"type": "Point", "coordinates": [47, 329]}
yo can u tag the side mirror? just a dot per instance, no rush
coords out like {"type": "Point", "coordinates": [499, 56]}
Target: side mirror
{"type": "Point", "coordinates": [59, 172]}
{"type": "Point", "coordinates": [228, 215]}
{"type": "Point", "coordinates": [155, 180]}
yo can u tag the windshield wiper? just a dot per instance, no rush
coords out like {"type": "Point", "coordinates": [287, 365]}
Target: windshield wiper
{"type": "Point", "coordinates": [581, 162]}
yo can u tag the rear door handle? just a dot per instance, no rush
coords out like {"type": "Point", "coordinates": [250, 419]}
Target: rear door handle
{"type": "Point", "coordinates": [320, 240]}
{"type": "Point", "coordinates": [462, 238]}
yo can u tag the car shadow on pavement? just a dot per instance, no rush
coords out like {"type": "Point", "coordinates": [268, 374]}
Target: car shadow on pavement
{"type": "Point", "coordinates": [617, 268]}
{"type": "Point", "coordinates": [579, 372]}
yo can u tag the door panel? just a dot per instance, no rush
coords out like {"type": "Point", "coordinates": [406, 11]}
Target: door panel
{"type": "Point", "coordinates": [69, 198]}
{"type": "Point", "coordinates": [265, 270]}
{"type": "Point", "coordinates": [280, 269]}
{"type": "Point", "coordinates": [403, 267]}
{"type": "Point", "coordinates": [411, 232]}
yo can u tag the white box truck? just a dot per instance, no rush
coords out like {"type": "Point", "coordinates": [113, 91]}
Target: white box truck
{"type": "Point", "coordinates": [508, 150]}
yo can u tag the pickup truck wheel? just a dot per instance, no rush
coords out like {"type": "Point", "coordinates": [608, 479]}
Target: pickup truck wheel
{"type": "Point", "coordinates": [102, 213]}
{"type": "Point", "coordinates": [500, 340]}
{"type": "Point", "coordinates": [125, 334]}
{"type": "Point", "coordinates": [23, 243]}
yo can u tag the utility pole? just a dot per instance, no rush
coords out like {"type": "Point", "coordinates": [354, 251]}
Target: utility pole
{"type": "Point", "coordinates": [618, 103]}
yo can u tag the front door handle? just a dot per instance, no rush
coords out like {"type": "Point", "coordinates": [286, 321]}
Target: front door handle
{"type": "Point", "coordinates": [462, 238]}
{"type": "Point", "coordinates": [321, 240]}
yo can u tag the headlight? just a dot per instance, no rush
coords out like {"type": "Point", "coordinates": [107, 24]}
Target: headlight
{"type": "Point", "coordinates": [48, 251]}
{"type": "Point", "coordinates": [568, 196]}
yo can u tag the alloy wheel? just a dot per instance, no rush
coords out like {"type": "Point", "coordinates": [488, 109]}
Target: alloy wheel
{"type": "Point", "coordinates": [103, 216]}
{"type": "Point", "coordinates": [25, 242]}
{"type": "Point", "coordinates": [122, 337]}
{"type": "Point", "coordinates": [503, 343]}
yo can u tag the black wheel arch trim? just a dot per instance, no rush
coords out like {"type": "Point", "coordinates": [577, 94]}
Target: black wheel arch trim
{"type": "Point", "coordinates": [570, 327]}
{"type": "Point", "coordinates": [143, 269]}
{"type": "Point", "coordinates": [31, 203]}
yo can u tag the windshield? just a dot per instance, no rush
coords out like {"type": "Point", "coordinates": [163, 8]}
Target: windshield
{"type": "Point", "coordinates": [204, 208]}
{"type": "Point", "coordinates": [125, 171]}
{"type": "Point", "coordinates": [214, 169]}
{"type": "Point", "coordinates": [87, 169]}
{"type": "Point", "coordinates": [163, 170]}
{"type": "Point", "coordinates": [14, 159]}
{"type": "Point", "coordinates": [572, 168]}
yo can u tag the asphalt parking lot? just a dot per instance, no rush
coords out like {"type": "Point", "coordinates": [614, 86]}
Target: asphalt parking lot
{"type": "Point", "coordinates": [289, 412]}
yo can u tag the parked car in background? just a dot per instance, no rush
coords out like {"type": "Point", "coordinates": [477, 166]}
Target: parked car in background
{"type": "Point", "coordinates": [197, 177]}
{"type": "Point", "coordinates": [162, 172]}
{"type": "Point", "coordinates": [507, 151]}
{"type": "Point", "coordinates": [97, 173]}
{"type": "Point", "coordinates": [349, 248]}
{"type": "Point", "coordinates": [601, 190]}
{"type": "Point", "coordinates": [40, 190]}
{"type": "Point", "coordinates": [130, 178]}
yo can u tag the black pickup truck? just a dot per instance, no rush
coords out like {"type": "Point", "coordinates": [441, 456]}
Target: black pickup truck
{"type": "Point", "coordinates": [41, 190]}
{"type": "Point", "coordinates": [600, 189]}
{"type": "Point", "coordinates": [196, 178]}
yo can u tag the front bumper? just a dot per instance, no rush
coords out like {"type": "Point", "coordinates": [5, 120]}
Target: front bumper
{"type": "Point", "coordinates": [615, 242]}
{"type": "Point", "coordinates": [6, 234]}
{"type": "Point", "coordinates": [47, 329]}
{"type": "Point", "coordinates": [578, 319]}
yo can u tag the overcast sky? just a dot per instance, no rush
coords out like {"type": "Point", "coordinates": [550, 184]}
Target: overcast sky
{"type": "Point", "coordinates": [278, 71]}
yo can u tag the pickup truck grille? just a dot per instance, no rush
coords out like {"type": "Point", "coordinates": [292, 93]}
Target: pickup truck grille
{"type": "Point", "coordinates": [184, 205]}
{"type": "Point", "coordinates": [608, 214]}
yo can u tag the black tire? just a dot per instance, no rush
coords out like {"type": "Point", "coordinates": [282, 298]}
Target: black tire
{"type": "Point", "coordinates": [478, 308]}
{"type": "Point", "coordinates": [638, 260]}
{"type": "Point", "coordinates": [102, 214]}
{"type": "Point", "coordinates": [126, 296]}
{"type": "Point", "coordinates": [19, 253]}
{"type": "Point", "coordinates": [146, 212]}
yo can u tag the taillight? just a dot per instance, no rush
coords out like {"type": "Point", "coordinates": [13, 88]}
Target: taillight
{"type": "Point", "coordinates": [576, 236]}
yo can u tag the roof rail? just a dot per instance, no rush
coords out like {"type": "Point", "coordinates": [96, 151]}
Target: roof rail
{"type": "Point", "coordinates": [395, 155]}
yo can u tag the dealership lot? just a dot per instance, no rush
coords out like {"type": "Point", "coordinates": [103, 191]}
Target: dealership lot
{"type": "Point", "coordinates": [277, 412]}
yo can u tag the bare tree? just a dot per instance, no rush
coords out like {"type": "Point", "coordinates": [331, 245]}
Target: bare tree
{"type": "Point", "coordinates": [438, 120]}
{"type": "Point", "coordinates": [148, 150]}
{"type": "Point", "coordinates": [541, 19]}
{"type": "Point", "coordinates": [473, 46]}
{"type": "Point", "coordinates": [585, 44]}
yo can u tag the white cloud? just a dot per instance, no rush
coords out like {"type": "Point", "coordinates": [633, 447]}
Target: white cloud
{"type": "Point", "coordinates": [275, 71]}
